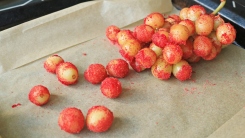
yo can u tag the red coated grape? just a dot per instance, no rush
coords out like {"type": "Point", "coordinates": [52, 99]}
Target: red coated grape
{"type": "Point", "coordinates": [123, 36]}
{"type": "Point", "coordinates": [178, 34]}
{"type": "Point", "coordinates": [160, 38]}
{"type": "Point", "coordinates": [218, 21]}
{"type": "Point", "coordinates": [204, 25]}
{"type": "Point", "coordinates": [144, 33]}
{"type": "Point", "coordinates": [130, 48]}
{"type": "Point", "coordinates": [111, 33]}
{"type": "Point", "coordinates": [182, 70]}
{"type": "Point", "coordinates": [172, 53]}
{"type": "Point", "coordinates": [156, 49]}
{"type": "Point", "coordinates": [189, 24]}
{"type": "Point", "coordinates": [155, 20]}
{"type": "Point", "coordinates": [146, 57]}
{"type": "Point", "coordinates": [161, 69]}
{"type": "Point", "coordinates": [202, 46]}
{"type": "Point", "coordinates": [226, 33]}
{"type": "Point", "coordinates": [187, 48]}
{"type": "Point", "coordinates": [183, 13]}
{"type": "Point", "coordinates": [195, 11]}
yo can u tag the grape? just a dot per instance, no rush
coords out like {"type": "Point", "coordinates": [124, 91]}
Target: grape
{"type": "Point", "coordinates": [161, 69]}
{"type": "Point", "coordinates": [187, 48]}
{"type": "Point", "coordinates": [172, 53]}
{"type": "Point", "coordinates": [182, 70]}
{"type": "Point", "coordinates": [166, 26]}
{"type": "Point", "coordinates": [146, 57]}
{"type": "Point", "coordinates": [202, 46]}
{"type": "Point", "coordinates": [155, 20]}
{"type": "Point", "coordinates": [130, 48]}
{"type": "Point", "coordinates": [160, 38]}
{"type": "Point", "coordinates": [217, 22]}
{"type": "Point", "coordinates": [143, 33]}
{"type": "Point", "coordinates": [117, 68]}
{"type": "Point", "coordinates": [212, 54]}
{"type": "Point", "coordinates": [194, 12]}
{"type": "Point", "coordinates": [204, 25]}
{"type": "Point", "coordinates": [183, 13]}
{"type": "Point", "coordinates": [156, 49]}
{"type": "Point", "coordinates": [111, 33]}
{"type": "Point", "coordinates": [123, 36]}
{"type": "Point", "coordinates": [216, 43]}
{"type": "Point", "coordinates": [190, 26]}
{"type": "Point", "coordinates": [194, 58]}
{"type": "Point", "coordinates": [173, 19]}
{"type": "Point", "coordinates": [136, 66]}
{"type": "Point", "coordinates": [175, 41]}
{"type": "Point", "coordinates": [226, 33]}
{"type": "Point", "coordinates": [178, 34]}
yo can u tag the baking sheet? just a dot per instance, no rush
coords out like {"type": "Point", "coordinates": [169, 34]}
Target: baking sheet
{"type": "Point", "coordinates": [208, 105]}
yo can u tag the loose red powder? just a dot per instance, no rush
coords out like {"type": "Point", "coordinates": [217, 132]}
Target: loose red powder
{"type": "Point", "coordinates": [15, 105]}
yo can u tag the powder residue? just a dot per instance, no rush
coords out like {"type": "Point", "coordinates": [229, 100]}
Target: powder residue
{"type": "Point", "coordinates": [16, 105]}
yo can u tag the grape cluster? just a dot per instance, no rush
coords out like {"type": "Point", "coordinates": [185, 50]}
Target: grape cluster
{"type": "Point", "coordinates": [167, 45]}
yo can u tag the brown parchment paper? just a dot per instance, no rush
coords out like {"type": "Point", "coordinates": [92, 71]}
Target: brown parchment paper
{"type": "Point", "coordinates": [70, 27]}
{"type": "Point", "coordinates": [211, 104]}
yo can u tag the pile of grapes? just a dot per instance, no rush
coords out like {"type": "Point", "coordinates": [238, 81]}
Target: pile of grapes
{"type": "Point", "coordinates": [167, 45]}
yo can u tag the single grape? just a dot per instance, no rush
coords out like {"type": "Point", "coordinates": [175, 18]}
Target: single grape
{"type": "Point", "coordinates": [195, 11]}
{"type": "Point", "coordinates": [146, 57]}
{"type": "Point", "coordinates": [178, 34]}
{"type": "Point", "coordinates": [204, 24]}
{"type": "Point", "coordinates": [194, 58]}
{"type": "Point", "coordinates": [156, 49]}
{"type": "Point", "coordinates": [144, 33]}
{"type": "Point", "coordinates": [155, 20]}
{"type": "Point", "coordinates": [173, 19]}
{"type": "Point", "coordinates": [136, 66]}
{"type": "Point", "coordinates": [123, 36]}
{"type": "Point", "coordinates": [226, 33]}
{"type": "Point", "coordinates": [160, 38]}
{"type": "Point", "coordinates": [187, 48]}
{"type": "Point", "coordinates": [218, 21]}
{"type": "Point", "coordinates": [190, 26]}
{"type": "Point", "coordinates": [216, 43]}
{"type": "Point", "coordinates": [161, 69]}
{"type": "Point", "coordinates": [212, 54]}
{"type": "Point", "coordinates": [182, 70]}
{"type": "Point", "coordinates": [183, 13]}
{"type": "Point", "coordinates": [111, 33]}
{"type": "Point", "coordinates": [129, 49]}
{"type": "Point", "coordinates": [166, 26]}
{"type": "Point", "coordinates": [172, 53]}
{"type": "Point", "coordinates": [202, 46]}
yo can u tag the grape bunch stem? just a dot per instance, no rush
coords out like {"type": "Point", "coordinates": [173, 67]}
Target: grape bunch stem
{"type": "Point", "coordinates": [221, 5]}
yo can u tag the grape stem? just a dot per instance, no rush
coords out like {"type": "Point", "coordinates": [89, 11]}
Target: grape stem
{"type": "Point", "coordinates": [221, 5]}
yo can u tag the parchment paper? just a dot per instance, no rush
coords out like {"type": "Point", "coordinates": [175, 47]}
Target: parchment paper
{"type": "Point", "coordinates": [211, 104]}
{"type": "Point", "coordinates": [70, 27]}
